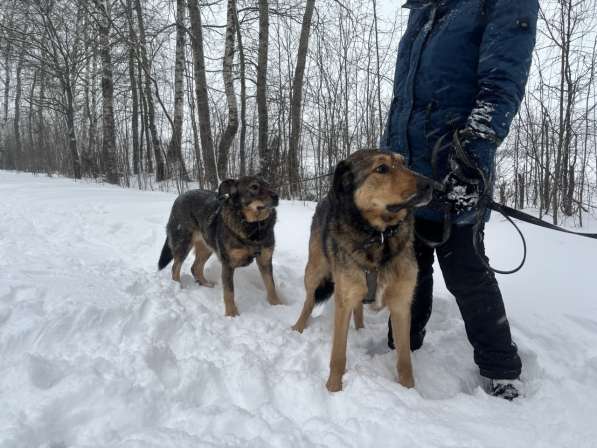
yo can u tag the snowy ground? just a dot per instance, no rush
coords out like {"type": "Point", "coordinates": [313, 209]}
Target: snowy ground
{"type": "Point", "coordinates": [98, 349]}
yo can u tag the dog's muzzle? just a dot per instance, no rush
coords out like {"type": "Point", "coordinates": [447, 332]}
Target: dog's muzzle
{"type": "Point", "coordinates": [421, 198]}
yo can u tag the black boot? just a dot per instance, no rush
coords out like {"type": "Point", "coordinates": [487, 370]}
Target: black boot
{"type": "Point", "coordinates": [506, 389]}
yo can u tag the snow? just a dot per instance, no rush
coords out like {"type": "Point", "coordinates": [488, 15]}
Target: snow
{"type": "Point", "coordinates": [98, 349]}
{"type": "Point", "coordinates": [481, 118]}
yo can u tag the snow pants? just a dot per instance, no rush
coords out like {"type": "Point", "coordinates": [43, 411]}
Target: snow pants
{"type": "Point", "coordinates": [477, 294]}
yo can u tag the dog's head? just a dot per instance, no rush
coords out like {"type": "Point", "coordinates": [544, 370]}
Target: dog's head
{"type": "Point", "coordinates": [252, 195]}
{"type": "Point", "coordinates": [380, 186]}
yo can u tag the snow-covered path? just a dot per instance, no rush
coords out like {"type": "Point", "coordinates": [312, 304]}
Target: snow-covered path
{"type": "Point", "coordinates": [98, 349]}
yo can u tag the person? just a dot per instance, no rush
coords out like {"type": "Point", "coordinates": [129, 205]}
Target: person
{"type": "Point", "coordinates": [462, 68]}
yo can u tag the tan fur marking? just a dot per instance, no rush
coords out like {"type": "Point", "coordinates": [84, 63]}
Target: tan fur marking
{"type": "Point", "coordinates": [264, 263]}
{"type": "Point", "coordinates": [350, 290]}
{"type": "Point", "coordinates": [176, 266]}
{"type": "Point", "coordinates": [237, 256]}
{"type": "Point", "coordinates": [253, 213]}
{"type": "Point", "coordinates": [230, 307]}
{"type": "Point", "coordinates": [202, 254]}
{"type": "Point", "coordinates": [400, 286]}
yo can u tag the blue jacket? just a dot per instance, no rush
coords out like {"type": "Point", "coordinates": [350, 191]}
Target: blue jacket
{"type": "Point", "coordinates": [462, 64]}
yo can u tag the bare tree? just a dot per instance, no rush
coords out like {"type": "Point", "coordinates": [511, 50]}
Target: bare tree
{"type": "Point", "coordinates": [227, 70]}
{"type": "Point", "coordinates": [296, 101]}
{"type": "Point", "coordinates": [175, 159]}
{"type": "Point", "coordinates": [201, 94]}
{"type": "Point", "coordinates": [265, 167]}
{"type": "Point", "coordinates": [109, 167]}
{"type": "Point", "coordinates": [148, 97]}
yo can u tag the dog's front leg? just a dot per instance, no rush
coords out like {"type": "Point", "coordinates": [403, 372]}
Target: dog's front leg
{"type": "Point", "coordinates": [264, 262]}
{"type": "Point", "coordinates": [398, 298]}
{"type": "Point", "coordinates": [350, 290]}
{"type": "Point", "coordinates": [228, 283]}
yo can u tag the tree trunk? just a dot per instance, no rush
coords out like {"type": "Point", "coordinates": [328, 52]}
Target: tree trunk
{"type": "Point", "coordinates": [227, 70]}
{"type": "Point", "coordinates": [4, 153]}
{"type": "Point", "coordinates": [32, 156]}
{"type": "Point", "coordinates": [18, 156]}
{"type": "Point", "coordinates": [378, 70]}
{"type": "Point", "coordinates": [72, 134]}
{"type": "Point", "coordinates": [144, 137]}
{"type": "Point", "coordinates": [109, 167]}
{"type": "Point", "coordinates": [243, 98]}
{"type": "Point", "coordinates": [199, 171]}
{"type": "Point", "coordinates": [175, 160]}
{"type": "Point", "coordinates": [296, 102]}
{"type": "Point", "coordinates": [160, 169]}
{"type": "Point", "coordinates": [134, 94]}
{"type": "Point", "coordinates": [265, 168]}
{"type": "Point", "coordinates": [201, 94]}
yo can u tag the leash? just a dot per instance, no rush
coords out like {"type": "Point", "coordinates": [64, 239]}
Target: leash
{"type": "Point", "coordinates": [485, 202]}
{"type": "Point", "coordinates": [530, 219]}
{"type": "Point", "coordinates": [302, 181]}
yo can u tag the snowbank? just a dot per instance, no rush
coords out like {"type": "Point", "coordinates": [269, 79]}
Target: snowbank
{"type": "Point", "coordinates": [98, 349]}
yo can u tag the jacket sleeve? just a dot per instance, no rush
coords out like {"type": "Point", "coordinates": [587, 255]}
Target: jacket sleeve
{"type": "Point", "coordinates": [505, 58]}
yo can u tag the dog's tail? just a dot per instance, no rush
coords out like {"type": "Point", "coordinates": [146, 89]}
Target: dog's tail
{"type": "Point", "coordinates": [166, 256]}
{"type": "Point", "coordinates": [324, 291]}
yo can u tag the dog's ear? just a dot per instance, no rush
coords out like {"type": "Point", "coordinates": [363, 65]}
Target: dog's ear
{"type": "Point", "coordinates": [343, 179]}
{"type": "Point", "coordinates": [228, 188]}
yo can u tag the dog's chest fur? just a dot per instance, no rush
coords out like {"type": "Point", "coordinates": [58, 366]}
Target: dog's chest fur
{"type": "Point", "coordinates": [237, 242]}
{"type": "Point", "coordinates": [370, 252]}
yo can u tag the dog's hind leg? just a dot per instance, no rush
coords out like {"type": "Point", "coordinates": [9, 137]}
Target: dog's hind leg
{"type": "Point", "coordinates": [350, 290]}
{"type": "Point", "coordinates": [357, 315]}
{"type": "Point", "coordinates": [264, 262]}
{"type": "Point", "coordinates": [202, 254]}
{"type": "Point", "coordinates": [181, 246]}
{"type": "Point", "coordinates": [318, 285]}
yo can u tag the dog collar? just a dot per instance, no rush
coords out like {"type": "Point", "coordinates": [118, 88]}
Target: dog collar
{"type": "Point", "coordinates": [381, 237]}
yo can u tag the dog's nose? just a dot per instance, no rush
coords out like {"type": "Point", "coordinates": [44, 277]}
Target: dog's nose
{"type": "Point", "coordinates": [424, 186]}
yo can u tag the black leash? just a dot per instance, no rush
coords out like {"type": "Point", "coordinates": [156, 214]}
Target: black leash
{"type": "Point", "coordinates": [510, 212]}
{"type": "Point", "coordinates": [486, 202]}
{"type": "Point", "coordinates": [302, 181]}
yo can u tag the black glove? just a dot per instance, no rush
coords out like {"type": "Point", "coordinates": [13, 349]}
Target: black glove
{"type": "Point", "coordinates": [464, 185]}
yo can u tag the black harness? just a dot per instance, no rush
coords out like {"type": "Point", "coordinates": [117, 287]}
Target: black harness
{"type": "Point", "coordinates": [382, 239]}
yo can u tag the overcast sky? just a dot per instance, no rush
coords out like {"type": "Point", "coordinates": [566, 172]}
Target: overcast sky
{"type": "Point", "coordinates": [389, 7]}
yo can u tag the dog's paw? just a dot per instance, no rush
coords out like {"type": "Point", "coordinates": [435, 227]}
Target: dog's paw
{"type": "Point", "coordinates": [407, 382]}
{"type": "Point", "coordinates": [334, 384]}
{"type": "Point", "coordinates": [206, 284]}
{"type": "Point", "coordinates": [274, 301]}
{"type": "Point", "coordinates": [232, 312]}
{"type": "Point", "coordinates": [298, 327]}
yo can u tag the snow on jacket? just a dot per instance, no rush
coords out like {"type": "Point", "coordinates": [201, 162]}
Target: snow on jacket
{"type": "Point", "coordinates": [461, 64]}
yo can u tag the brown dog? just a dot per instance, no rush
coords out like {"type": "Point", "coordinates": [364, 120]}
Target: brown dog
{"type": "Point", "coordinates": [237, 224]}
{"type": "Point", "coordinates": [361, 243]}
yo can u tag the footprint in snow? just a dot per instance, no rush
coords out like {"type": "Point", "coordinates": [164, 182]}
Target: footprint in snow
{"type": "Point", "coordinates": [45, 374]}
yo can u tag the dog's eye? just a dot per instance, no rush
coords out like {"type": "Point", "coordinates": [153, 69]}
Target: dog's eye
{"type": "Point", "coordinates": [382, 169]}
{"type": "Point", "coordinates": [254, 187]}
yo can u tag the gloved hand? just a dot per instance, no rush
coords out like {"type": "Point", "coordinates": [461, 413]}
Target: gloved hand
{"type": "Point", "coordinates": [464, 185]}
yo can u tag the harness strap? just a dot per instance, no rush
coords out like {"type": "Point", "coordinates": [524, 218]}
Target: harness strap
{"type": "Point", "coordinates": [371, 278]}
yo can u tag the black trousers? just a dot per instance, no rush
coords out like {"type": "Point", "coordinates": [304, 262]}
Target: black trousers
{"type": "Point", "coordinates": [477, 294]}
